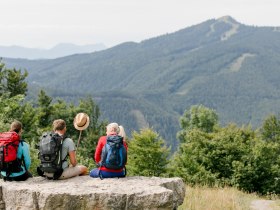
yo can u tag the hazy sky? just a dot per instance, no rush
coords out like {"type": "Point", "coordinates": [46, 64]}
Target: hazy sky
{"type": "Point", "coordinates": [45, 23]}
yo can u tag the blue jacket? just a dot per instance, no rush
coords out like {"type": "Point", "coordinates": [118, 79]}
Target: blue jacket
{"type": "Point", "coordinates": [23, 151]}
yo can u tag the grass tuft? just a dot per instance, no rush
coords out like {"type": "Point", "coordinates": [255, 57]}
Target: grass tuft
{"type": "Point", "coordinates": [216, 198]}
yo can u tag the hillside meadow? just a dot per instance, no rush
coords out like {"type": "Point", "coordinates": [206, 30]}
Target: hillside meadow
{"type": "Point", "coordinates": [221, 198]}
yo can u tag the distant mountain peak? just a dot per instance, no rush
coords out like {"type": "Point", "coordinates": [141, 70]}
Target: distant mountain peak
{"type": "Point", "coordinates": [227, 34]}
{"type": "Point", "coordinates": [227, 19]}
{"type": "Point", "coordinates": [59, 50]}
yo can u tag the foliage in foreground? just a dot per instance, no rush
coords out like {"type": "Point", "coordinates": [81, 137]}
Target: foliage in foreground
{"type": "Point", "coordinates": [147, 154]}
{"type": "Point", "coordinates": [230, 155]}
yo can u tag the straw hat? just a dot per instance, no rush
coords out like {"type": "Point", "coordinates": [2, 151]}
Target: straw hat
{"type": "Point", "coordinates": [81, 121]}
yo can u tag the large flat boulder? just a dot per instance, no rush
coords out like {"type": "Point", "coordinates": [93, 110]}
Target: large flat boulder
{"type": "Point", "coordinates": [85, 193]}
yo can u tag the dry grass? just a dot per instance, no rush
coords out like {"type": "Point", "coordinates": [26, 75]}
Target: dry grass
{"type": "Point", "coordinates": [205, 198]}
{"type": "Point", "coordinates": [276, 205]}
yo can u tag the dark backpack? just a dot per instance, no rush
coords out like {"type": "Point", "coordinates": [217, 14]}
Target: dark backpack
{"type": "Point", "coordinates": [9, 162]}
{"type": "Point", "coordinates": [50, 154]}
{"type": "Point", "coordinates": [114, 155]}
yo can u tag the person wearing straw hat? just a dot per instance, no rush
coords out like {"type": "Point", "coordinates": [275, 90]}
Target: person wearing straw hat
{"type": "Point", "coordinates": [68, 148]}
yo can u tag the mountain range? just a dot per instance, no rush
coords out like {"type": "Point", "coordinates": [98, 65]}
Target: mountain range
{"type": "Point", "coordinates": [60, 50]}
{"type": "Point", "coordinates": [220, 63]}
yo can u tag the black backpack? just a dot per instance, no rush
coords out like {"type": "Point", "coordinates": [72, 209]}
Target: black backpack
{"type": "Point", "coordinates": [114, 155]}
{"type": "Point", "coordinates": [50, 154]}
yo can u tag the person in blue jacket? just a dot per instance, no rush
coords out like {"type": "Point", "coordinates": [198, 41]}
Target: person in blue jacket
{"type": "Point", "coordinates": [22, 154]}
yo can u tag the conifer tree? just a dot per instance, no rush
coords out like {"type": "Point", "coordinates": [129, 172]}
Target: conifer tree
{"type": "Point", "coordinates": [44, 110]}
{"type": "Point", "coordinates": [147, 154]}
{"type": "Point", "coordinates": [271, 129]}
{"type": "Point", "coordinates": [12, 81]}
{"type": "Point", "coordinates": [199, 117]}
{"type": "Point", "coordinates": [15, 82]}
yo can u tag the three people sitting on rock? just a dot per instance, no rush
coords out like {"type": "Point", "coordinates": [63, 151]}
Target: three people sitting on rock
{"type": "Point", "coordinates": [114, 133]}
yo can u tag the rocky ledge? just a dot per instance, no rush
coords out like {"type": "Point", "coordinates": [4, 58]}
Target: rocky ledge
{"type": "Point", "coordinates": [84, 193]}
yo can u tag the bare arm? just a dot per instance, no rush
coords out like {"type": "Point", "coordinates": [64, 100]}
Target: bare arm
{"type": "Point", "coordinates": [73, 159]}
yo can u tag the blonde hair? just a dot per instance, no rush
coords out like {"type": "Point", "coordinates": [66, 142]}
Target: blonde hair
{"type": "Point", "coordinates": [113, 127]}
{"type": "Point", "coordinates": [59, 125]}
{"type": "Point", "coordinates": [16, 126]}
{"type": "Point", "coordinates": [121, 131]}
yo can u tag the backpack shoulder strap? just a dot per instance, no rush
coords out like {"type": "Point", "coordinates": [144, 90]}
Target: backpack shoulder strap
{"type": "Point", "coordinates": [21, 141]}
{"type": "Point", "coordinates": [67, 154]}
{"type": "Point", "coordinates": [22, 157]}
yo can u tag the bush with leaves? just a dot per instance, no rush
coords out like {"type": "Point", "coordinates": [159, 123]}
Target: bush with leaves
{"type": "Point", "coordinates": [197, 117]}
{"type": "Point", "coordinates": [147, 154]}
{"type": "Point", "coordinates": [191, 162]}
{"type": "Point", "coordinates": [270, 130]}
{"type": "Point", "coordinates": [229, 155]}
{"type": "Point", "coordinates": [261, 172]}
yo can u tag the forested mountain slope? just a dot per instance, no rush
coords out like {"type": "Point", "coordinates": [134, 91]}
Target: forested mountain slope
{"type": "Point", "coordinates": [220, 63]}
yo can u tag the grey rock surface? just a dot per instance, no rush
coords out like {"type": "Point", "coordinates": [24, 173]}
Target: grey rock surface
{"type": "Point", "coordinates": [86, 193]}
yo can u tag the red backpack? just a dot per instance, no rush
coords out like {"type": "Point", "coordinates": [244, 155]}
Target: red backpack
{"type": "Point", "coordinates": [9, 162]}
